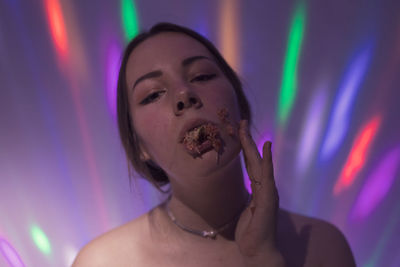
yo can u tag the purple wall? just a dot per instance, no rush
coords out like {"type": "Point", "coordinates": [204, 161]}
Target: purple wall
{"type": "Point", "coordinates": [337, 152]}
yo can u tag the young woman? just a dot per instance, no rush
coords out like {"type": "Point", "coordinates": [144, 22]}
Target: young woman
{"type": "Point", "coordinates": [183, 120]}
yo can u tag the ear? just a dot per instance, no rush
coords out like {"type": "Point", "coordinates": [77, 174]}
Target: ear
{"type": "Point", "coordinates": [144, 155]}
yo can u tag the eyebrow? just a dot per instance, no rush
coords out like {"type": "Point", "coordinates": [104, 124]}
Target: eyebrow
{"type": "Point", "coordinates": [157, 73]}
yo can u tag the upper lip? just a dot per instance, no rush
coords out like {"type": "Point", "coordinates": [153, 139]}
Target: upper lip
{"type": "Point", "coordinates": [190, 125]}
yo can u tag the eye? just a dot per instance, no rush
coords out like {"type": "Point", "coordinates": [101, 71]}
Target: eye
{"type": "Point", "coordinates": [152, 97]}
{"type": "Point", "coordinates": [203, 77]}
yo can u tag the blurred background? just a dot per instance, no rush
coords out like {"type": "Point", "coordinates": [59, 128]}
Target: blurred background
{"type": "Point", "coordinates": [322, 78]}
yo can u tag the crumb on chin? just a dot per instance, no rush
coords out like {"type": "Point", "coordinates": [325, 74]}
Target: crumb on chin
{"type": "Point", "coordinates": [230, 130]}
{"type": "Point", "coordinates": [223, 115]}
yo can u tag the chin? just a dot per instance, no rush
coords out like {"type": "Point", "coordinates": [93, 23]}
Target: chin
{"type": "Point", "coordinates": [211, 161]}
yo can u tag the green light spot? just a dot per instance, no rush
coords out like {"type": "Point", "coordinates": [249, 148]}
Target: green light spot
{"type": "Point", "coordinates": [289, 77]}
{"type": "Point", "coordinates": [129, 19]}
{"type": "Point", "coordinates": [40, 239]}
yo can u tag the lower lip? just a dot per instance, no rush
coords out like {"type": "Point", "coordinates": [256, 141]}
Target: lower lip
{"type": "Point", "coordinates": [203, 148]}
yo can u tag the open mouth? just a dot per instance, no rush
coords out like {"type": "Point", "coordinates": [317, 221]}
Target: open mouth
{"type": "Point", "coordinates": [202, 139]}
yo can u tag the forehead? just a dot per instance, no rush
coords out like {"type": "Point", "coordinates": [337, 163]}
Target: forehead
{"type": "Point", "coordinates": [163, 50]}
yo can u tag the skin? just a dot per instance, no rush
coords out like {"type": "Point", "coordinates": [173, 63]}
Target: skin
{"type": "Point", "coordinates": [206, 193]}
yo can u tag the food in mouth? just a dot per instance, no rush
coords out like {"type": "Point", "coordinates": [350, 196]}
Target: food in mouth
{"type": "Point", "coordinates": [202, 139]}
{"type": "Point", "coordinates": [223, 115]}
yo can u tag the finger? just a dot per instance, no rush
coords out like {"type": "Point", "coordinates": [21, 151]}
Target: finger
{"type": "Point", "coordinates": [267, 197]}
{"type": "Point", "coordinates": [267, 160]}
{"type": "Point", "coordinates": [250, 151]}
{"type": "Point", "coordinates": [268, 173]}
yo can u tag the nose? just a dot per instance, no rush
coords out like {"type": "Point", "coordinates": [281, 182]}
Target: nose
{"type": "Point", "coordinates": [184, 100]}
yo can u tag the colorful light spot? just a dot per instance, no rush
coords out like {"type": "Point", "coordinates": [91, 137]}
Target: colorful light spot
{"type": "Point", "coordinates": [10, 254]}
{"type": "Point", "coordinates": [311, 130]}
{"type": "Point", "coordinates": [129, 19]}
{"type": "Point", "coordinates": [229, 28]}
{"type": "Point", "coordinates": [40, 239]}
{"type": "Point", "coordinates": [358, 155]}
{"type": "Point", "coordinates": [289, 78]}
{"type": "Point", "coordinates": [340, 119]}
{"type": "Point", "coordinates": [57, 27]}
{"type": "Point", "coordinates": [113, 61]}
{"type": "Point", "coordinates": [377, 184]}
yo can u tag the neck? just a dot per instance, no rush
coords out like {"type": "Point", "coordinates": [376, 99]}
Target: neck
{"type": "Point", "coordinates": [212, 201]}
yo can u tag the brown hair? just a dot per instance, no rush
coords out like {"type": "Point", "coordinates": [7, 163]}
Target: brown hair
{"type": "Point", "coordinates": [149, 170]}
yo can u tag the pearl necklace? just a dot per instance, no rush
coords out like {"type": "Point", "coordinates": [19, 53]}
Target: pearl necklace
{"type": "Point", "coordinates": [211, 234]}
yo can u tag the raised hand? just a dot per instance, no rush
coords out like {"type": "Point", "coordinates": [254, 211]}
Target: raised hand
{"type": "Point", "coordinates": [256, 229]}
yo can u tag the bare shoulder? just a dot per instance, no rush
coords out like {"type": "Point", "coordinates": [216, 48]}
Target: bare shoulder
{"type": "Point", "coordinates": [325, 243]}
{"type": "Point", "coordinates": [112, 248]}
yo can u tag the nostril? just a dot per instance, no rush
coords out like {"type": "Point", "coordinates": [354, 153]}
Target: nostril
{"type": "Point", "coordinates": [180, 106]}
{"type": "Point", "coordinates": [193, 100]}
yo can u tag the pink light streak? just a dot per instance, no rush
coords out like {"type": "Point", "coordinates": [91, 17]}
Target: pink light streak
{"type": "Point", "coordinates": [59, 34]}
{"type": "Point", "coordinates": [113, 59]}
{"type": "Point", "coordinates": [377, 185]}
{"type": "Point", "coordinates": [10, 253]}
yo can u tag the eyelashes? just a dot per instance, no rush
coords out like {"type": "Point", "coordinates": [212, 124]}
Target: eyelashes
{"type": "Point", "coordinates": [154, 96]}
{"type": "Point", "coordinates": [203, 77]}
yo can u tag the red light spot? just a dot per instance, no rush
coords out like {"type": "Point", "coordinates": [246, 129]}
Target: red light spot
{"type": "Point", "coordinates": [357, 156]}
{"type": "Point", "coordinates": [57, 27]}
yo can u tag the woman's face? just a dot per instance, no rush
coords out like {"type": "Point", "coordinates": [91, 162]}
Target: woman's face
{"type": "Point", "coordinates": [172, 81]}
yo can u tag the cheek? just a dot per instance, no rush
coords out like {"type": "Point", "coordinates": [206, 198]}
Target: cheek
{"type": "Point", "coordinates": [152, 127]}
{"type": "Point", "coordinates": [225, 97]}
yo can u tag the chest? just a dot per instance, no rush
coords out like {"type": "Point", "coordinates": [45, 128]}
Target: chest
{"type": "Point", "coordinates": [194, 256]}
{"type": "Point", "coordinates": [197, 258]}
